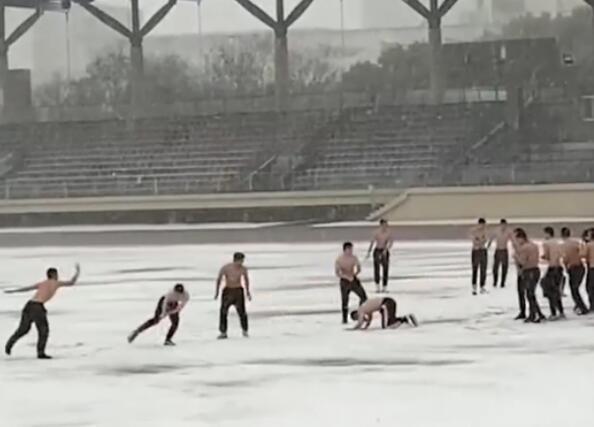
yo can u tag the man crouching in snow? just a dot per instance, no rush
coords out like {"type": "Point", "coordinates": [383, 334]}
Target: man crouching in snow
{"type": "Point", "coordinates": [387, 308]}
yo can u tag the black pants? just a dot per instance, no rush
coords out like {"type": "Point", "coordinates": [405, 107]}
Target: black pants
{"type": "Point", "coordinates": [174, 318]}
{"type": "Point", "coordinates": [33, 312]}
{"type": "Point", "coordinates": [530, 278]}
{"type": "Point", "coordinates": [233, 297]}
{"type": "Point", "coordinates": [388, 312]}
{"type": "Point", "coordinates": [479, 265]}
{"type": "Point", "coordinates": [522, 296]}
{"type": "Point", "coordinates": [576, 276]}
{"type": "Point", "coordinates": [381, 260]}
{"type": "Point", "coordinates": [501, 260]}
{"type": "Point", "coordinates": [551, 285]}
{"type": "Point", "coordinates": [590, 288]}
{"type": "Point", "coordinates": [346, 287]}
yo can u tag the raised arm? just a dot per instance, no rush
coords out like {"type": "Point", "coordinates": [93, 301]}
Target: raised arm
{"type": "Point", "coordinates": [74, 278]}
{"type": "Point", "coordinates": [246, 284]}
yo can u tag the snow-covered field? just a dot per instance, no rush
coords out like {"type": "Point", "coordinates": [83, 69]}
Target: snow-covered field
{"type": "Point", "coordinates": [468, 364]}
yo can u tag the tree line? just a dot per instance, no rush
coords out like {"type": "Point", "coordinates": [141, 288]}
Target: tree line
{"type": "Point", "coordinates": [246, 68]}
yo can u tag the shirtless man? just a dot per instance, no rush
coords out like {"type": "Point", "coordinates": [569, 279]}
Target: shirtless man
{"type": "Point", "coordinates": [382, 241]}
{"type": "Point", "coordinates": [480, 243]}
{"type": "Point", "coordinates": [237, 287]}
{"type": "Point", "coordinates": [35, 312]}
{"type": "Point", "coordinates": [347, 267]}
{"type": "Point", "coordinates": [551, 282]}
{"type": "Point", "coordinates": [589, 258]}
{"type": "Point", "coordinates": [572, 259]}
{"type": "Point", "coordinates": [527, 256]}
{"type": "Point", "coordinates": [170, 304]}
{"type": "Point", "coordinates": [387, 308]}
{"type": "Point", "coordinates": [501, 259]}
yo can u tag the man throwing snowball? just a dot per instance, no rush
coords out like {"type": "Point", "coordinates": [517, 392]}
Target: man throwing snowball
{"type": "Point", "coordinates": [35, 312]}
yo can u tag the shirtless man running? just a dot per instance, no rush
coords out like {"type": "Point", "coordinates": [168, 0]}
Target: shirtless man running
{"type": "Point", "coordinates": [169, 305]}
{"type": "Point", "coordinates": [527, 256]}
{"type": "Point", "coordinates": [572, 258]}
{"type": "Point", "coordinates": [347, 267]}
{"type": "Point", "coordinates": [35, 312]}
{"type": "Point", "coordinates": [387, 308]}
{"type": "Point", "coordinates": [234, 293]}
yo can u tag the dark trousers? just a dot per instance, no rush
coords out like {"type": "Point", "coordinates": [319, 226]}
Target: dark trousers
{"type": "Point", "coordinates": [381, 261]}
{"type": "Point", "coordinates": [590, 288]}
{"type": "Point", "coordinates": [388, 312]}
{"type": "Point", "coordinates": [479, 266]}
{"type": "Point", "coordinates": [233, 297]}
{"type": "Point", "coordinates": [530, 278]}
{"type": "Point", "coordinates": [551, 285]}
{"type": "Point", "coordinates": [576, 276]}
{"type": "Point", "coordinates": [33, 312]}
{"type": "Point", "coordinates": [500, 261]}
{"type": "Point", "coordinates": [346, 287]}
{"type": "Point", "coordinates": [522, 295]}
{"type": "Point", "coordinates": [174, 318]}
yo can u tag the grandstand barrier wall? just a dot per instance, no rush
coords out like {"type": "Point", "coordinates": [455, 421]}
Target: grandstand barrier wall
{"type": "Point", "coordinates": [517, 202]}
{"type": "Point", "coordinates": [254, 206]}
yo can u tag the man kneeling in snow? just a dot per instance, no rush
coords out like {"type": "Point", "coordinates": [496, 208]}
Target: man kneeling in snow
{"type": "Point", "coordinates": [387, 308]}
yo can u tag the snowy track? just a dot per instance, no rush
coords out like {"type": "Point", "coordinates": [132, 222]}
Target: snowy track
{"type": "Point", "coordinates": [468, 364]}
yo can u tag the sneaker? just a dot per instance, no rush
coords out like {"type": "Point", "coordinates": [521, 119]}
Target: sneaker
{"type": "Point", "coordinates": [377, 289]}
{"type": "Point", "coordinates": [520, 316]}
{"type": "Point", "coordinates": [385, 290]}
{"type": "Point", "coordinates": [562, 316]}
{"type": "Point", "coordinates": [222, 336]}
{"type": "Point", "coordinates": [553, 317]}
{"type": "Point", "coordinates": [412, 320]}
{"type": "Point", "coordinates": [484, 291]}
{"type": "Point", "coordinates": [169, 343]}
{"type": "Point", "coordinates": [44, 356]}
{"type": "Point", "coordinates": [245, 334]}
{"type": "Point", "coordinates": [474, 292]}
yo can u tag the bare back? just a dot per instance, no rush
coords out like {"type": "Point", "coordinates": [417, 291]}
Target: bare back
{"type": "Point", "coordinates": [233, 274]}
{"type": "Point", "coordinates": [572, 253]}
{"type": "Point", "coordinates": [502, 238]}
{"type": "Point", "coordinates": [552, 252]}
{"type": "Point", "coordinates": [528, 255]}
{"type": "Point", "coordinates": [347, 266]}
{"type": "Point", "coordinates": [589, 254]}
{"type": "Point", "coordinates": [45, 291]}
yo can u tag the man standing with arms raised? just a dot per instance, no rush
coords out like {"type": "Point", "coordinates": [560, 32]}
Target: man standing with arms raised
{"type": "Point", "coordinates": [381, 243]}
{"type": "Point", "coordinates": [237, 288]}
{"type": "Point", "coordinates": [501, 259]}
{"type": "Point", "coordinates": [347, 267]}
{"type": "Point", "coordinates": [35, 312]}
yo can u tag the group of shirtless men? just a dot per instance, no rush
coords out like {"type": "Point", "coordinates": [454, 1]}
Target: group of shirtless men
{"type": "Point", "coordinates": [236, 290]}
{"type": "Point", "coordinates": [566, 256]}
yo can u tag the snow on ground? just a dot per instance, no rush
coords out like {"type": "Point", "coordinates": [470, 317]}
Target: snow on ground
{"type": "Point", "coordinates": [468, 364]}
